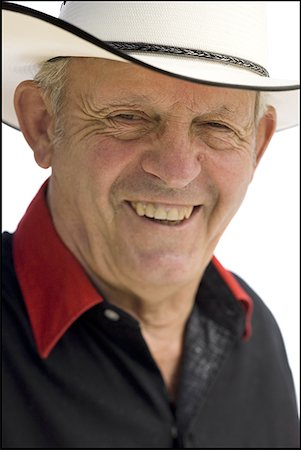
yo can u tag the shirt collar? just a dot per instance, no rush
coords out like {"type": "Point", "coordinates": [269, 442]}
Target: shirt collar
{"type": "Point", "coordinates": [239, 294]}
{"type": "Point", "coordinates": [54, 285]}
{"type": "Point", "coordinates": [56, 289]}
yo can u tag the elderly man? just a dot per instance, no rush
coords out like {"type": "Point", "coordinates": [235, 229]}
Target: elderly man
{"type": "Point", "coordinates": [121, 329]}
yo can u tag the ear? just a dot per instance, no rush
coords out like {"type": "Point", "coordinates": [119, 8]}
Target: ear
{"type": "Point", "coordinates": [35, 121]}
{"type": "Point", "coordinates": [265, 130]}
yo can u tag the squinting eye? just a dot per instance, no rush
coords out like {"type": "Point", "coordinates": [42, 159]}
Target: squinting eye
{"type": "Point", "coordinates": [129, 117]}
{"type": "Point", "coordinates": [218, 125]}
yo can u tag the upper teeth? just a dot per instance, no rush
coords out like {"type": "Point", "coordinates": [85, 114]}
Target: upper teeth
{"type": "Point", "coordinates": [162, 212]}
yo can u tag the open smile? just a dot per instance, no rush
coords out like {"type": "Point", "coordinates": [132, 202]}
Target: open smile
{"type": "Point", "coordinates": [163, 214]}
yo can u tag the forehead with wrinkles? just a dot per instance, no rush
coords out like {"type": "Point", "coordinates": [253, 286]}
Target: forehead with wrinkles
{"type": "Point", "coordinates": [101, 83]}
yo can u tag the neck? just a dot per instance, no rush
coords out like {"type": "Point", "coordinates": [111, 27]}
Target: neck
{"type": "Point", "coordinates": [162, 320]}
{"type": "Point", "coordinates": [159, 310]}
{"type": "Point", "coordinates": [162, 310]}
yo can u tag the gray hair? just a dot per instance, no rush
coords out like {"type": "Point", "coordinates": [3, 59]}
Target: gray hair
{"type": "Point", "coordinates": [261, 106]}
{"type": "Point", "coordinates": [52, 80]}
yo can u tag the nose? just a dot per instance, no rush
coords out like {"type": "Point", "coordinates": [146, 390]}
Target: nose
{"type": "Point", "coordinates": [174, 158]}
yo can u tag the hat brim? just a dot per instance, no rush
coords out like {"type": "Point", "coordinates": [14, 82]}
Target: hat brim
{"type": "Point", "coordinates": [31, 37]}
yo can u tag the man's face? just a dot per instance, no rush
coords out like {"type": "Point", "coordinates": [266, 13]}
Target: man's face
{"type": "Point", "coordinates": [149, 172]}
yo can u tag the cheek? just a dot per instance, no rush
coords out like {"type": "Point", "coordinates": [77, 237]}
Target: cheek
{"type": "Point", "coordinates": [108, 161]}
{"type": "Point", "coordinates": [231, 175]}
{"type": "Point", "coordinates": [86, 170]}
{"type": "Point", "coordinates": [107, 156]}
{"type": "Point", "coordinates": [233, 169]}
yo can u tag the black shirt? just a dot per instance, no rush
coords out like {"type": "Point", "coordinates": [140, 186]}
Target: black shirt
{"type": "Point", "coordinates": [94, 384]}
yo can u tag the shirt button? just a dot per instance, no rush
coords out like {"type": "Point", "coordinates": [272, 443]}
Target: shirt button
{"type": "Point", "coordinates": [174, 432]}
{"type": "Point", "coordinates": [112, 315]}
{"type": "Point", "coordinates": [197, 349]}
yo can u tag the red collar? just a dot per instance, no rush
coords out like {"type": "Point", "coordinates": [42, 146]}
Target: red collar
{"type": "Point", "coordinates": [56, 290]}
{"type": "Point", "coordinates": [239, 293]}
{"type": "Point", "coordinates": [55, 287]}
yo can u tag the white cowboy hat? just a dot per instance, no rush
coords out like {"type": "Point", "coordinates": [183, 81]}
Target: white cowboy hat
{"type": "Point", "coordinates": [215, 43]}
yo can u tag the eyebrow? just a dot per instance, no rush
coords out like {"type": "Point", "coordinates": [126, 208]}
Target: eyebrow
{"type": "Point", "coordinates": [133, 101]}
{"type": "Point", "coordinates": [130, 100]}
{"type": "Point", "coordinates": [222, 110]}
{"type": "Point", "coordinates": [138, 100]}
{"type": "Point", "coordinates": [144, 100]}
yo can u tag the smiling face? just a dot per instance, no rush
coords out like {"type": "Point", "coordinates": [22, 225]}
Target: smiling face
{"type": "Point", "coordinates": [149, 172]}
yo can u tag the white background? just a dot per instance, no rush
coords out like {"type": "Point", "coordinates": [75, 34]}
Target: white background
{"type": "Point", "coordinates": [262, 242]}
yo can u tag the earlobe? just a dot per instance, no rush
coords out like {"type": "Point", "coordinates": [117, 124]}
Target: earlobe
{"type": "Point", "coordinates": [35, 121]}
{"type": "Point", "coordinates": [265, 130]}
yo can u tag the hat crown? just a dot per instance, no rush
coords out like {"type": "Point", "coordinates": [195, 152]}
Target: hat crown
{"type": "Point", "coordinates": [230, 28]}
{"type": "Point", "coordinates": [212, 43]}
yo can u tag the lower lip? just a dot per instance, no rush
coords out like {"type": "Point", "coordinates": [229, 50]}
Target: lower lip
{"type": "Point", "coordinates": [150, 222]}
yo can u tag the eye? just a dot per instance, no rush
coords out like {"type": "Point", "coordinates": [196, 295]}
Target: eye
{"type": "Point", "coordinates": [218, 125]}
{"type": "Point", "coordinates": [127, 117]}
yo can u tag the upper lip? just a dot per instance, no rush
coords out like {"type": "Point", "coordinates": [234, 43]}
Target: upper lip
{"type": "Point", "coordinates": [165, 203]}
{"type": "Point", "coordinates": [161, 211]}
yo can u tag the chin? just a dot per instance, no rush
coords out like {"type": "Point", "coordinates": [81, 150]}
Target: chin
{"type": "Point", "coordinates": [163, 270]}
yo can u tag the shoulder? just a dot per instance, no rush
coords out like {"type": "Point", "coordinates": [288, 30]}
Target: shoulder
{"type": "Point", "coordinates": [8, 271]}
{"type": "Point", "coordinates": [12, 300]}
{"type": "Point", "coordinates": [267, 348]}
{"type": "Point", "coordinates": [263, 319]}
{"type": "Point", "coordinates": [6, 243]}
{"type": "Point", "coordinates": [266, 341]}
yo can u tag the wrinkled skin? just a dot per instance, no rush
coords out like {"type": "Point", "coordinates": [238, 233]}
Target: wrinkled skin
{"type": "Point", "coordinates": [131, 134]}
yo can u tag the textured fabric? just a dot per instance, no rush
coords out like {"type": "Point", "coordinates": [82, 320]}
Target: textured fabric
{"type": "Point", "coordinates": [206, 345]}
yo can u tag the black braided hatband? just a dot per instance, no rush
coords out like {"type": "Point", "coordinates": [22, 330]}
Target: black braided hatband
{"type": "Point", "coordinates": [180, 51]}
